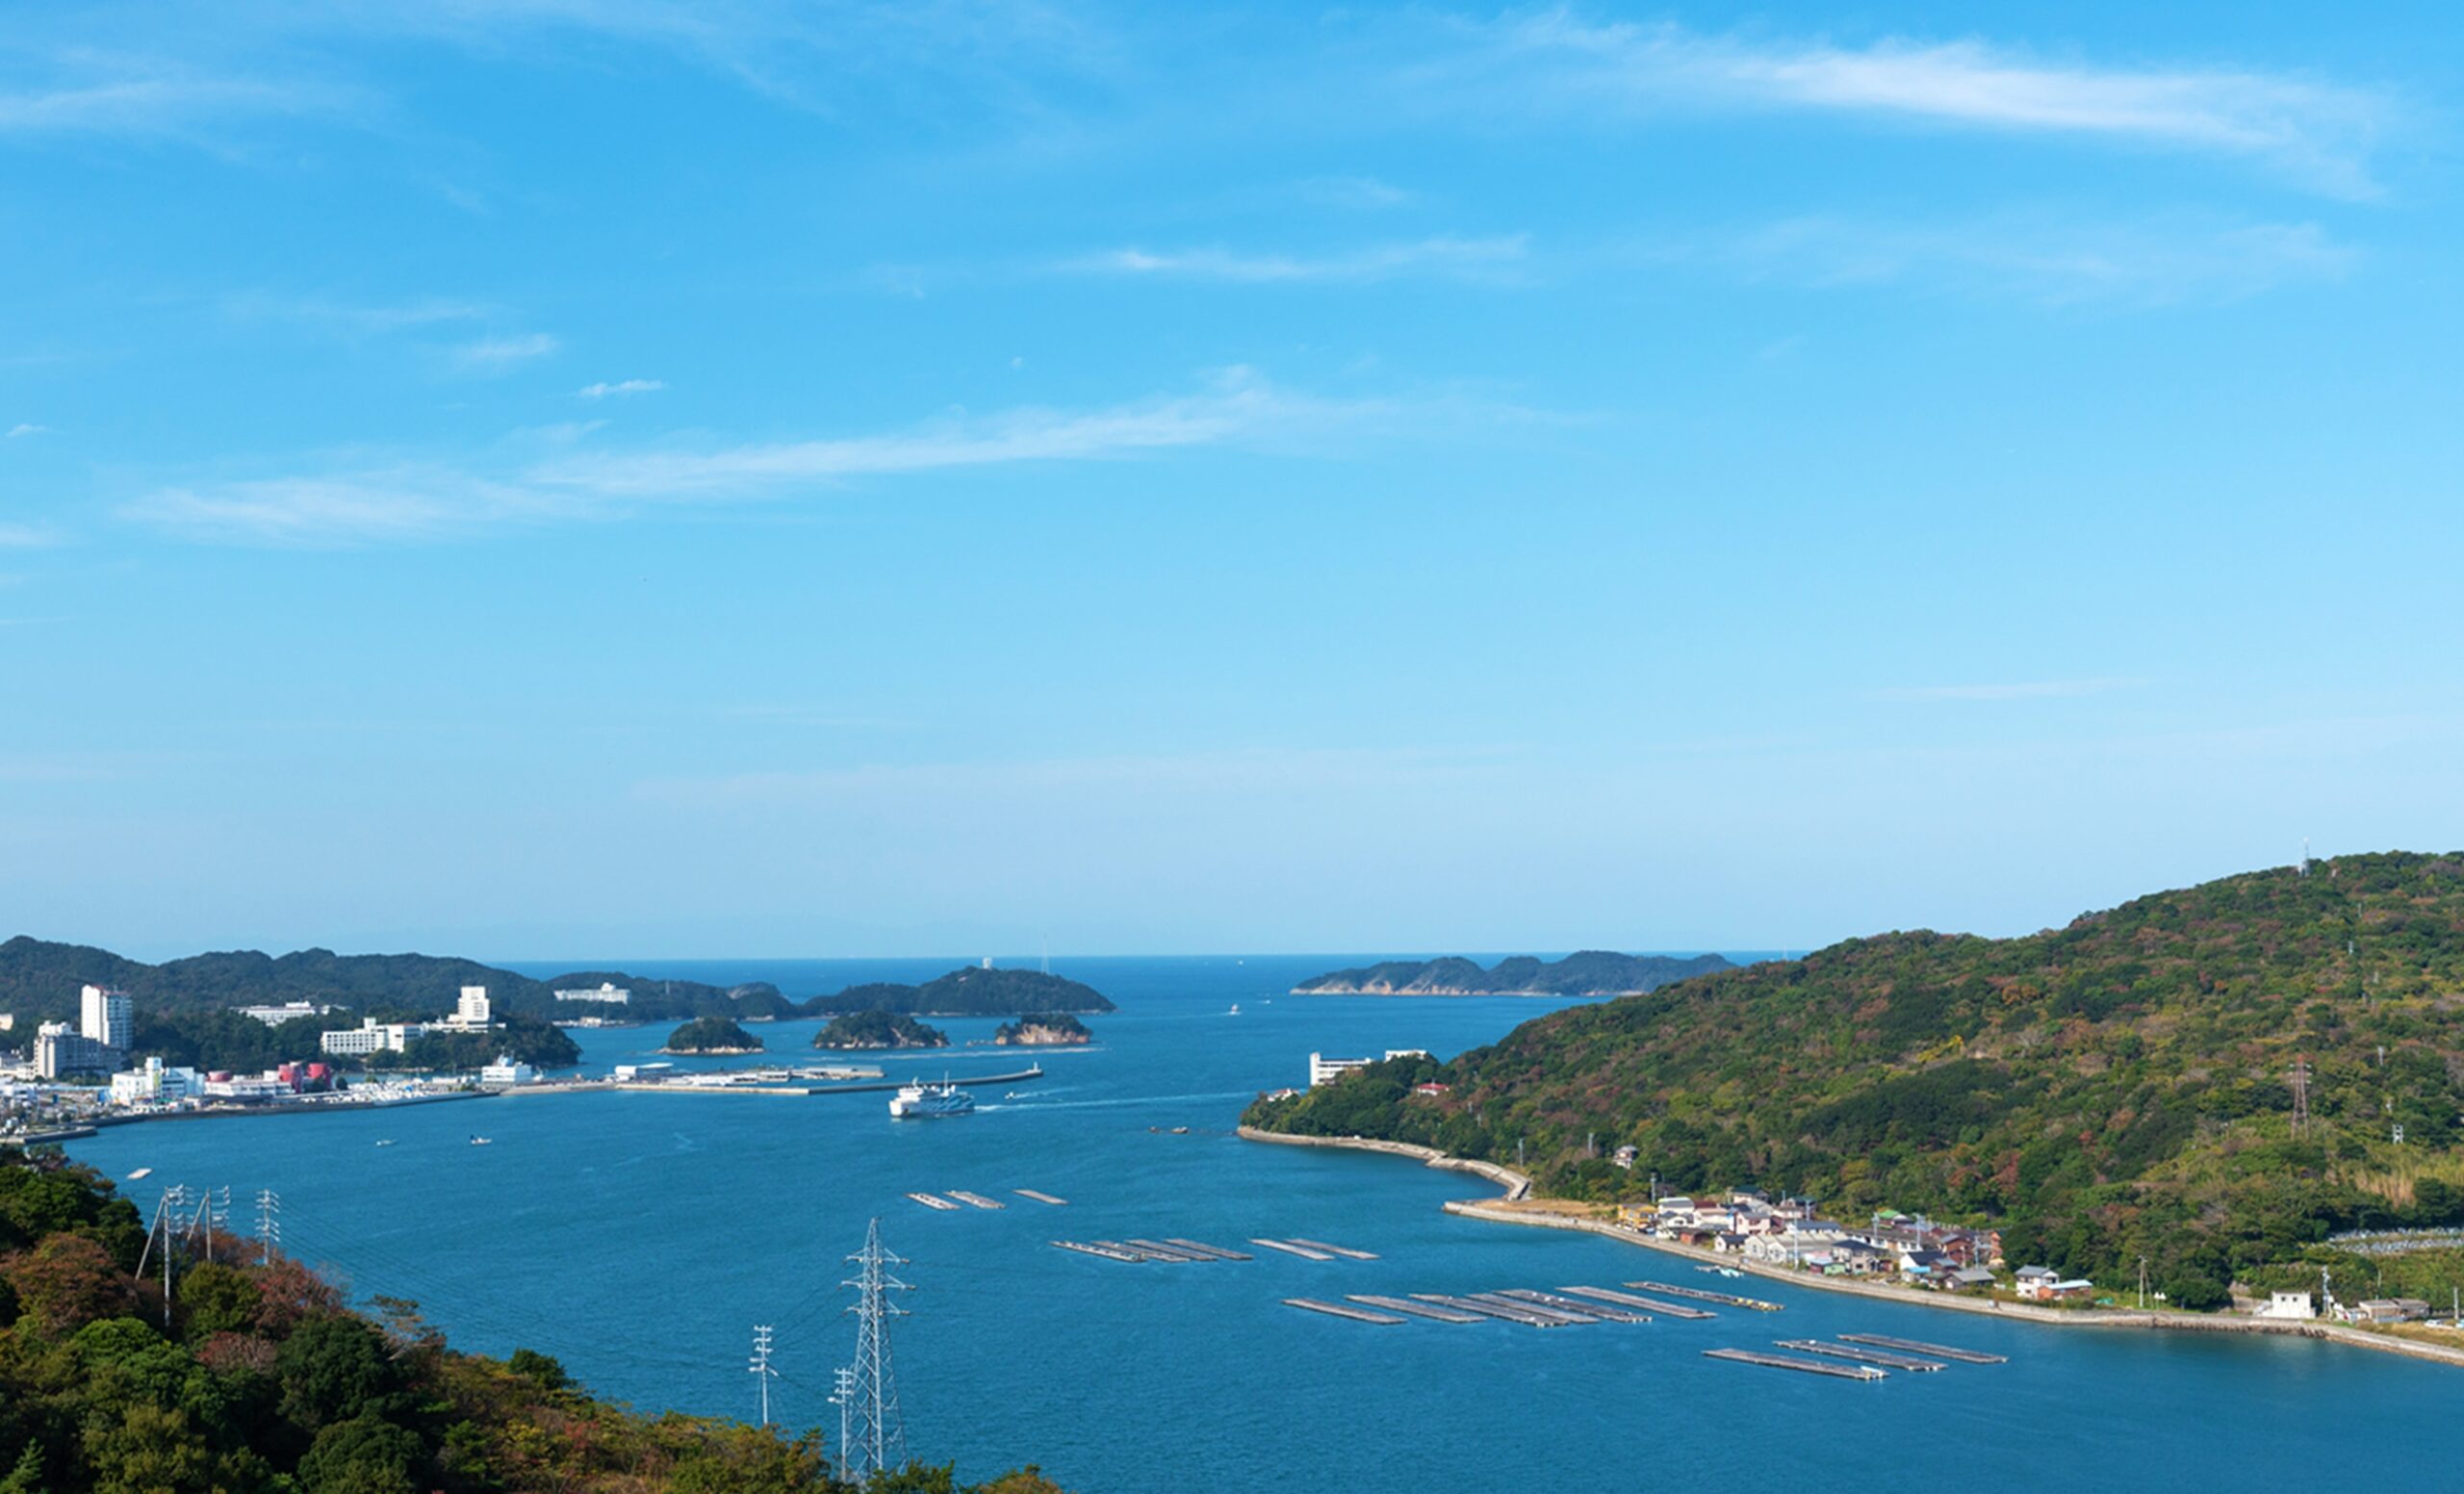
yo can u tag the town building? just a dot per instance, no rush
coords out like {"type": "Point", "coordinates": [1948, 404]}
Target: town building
{"type": "Point", "coordinates": [60, 1053]}
{"type": "Point", "coordinates": [288, 1011]}
{"type": "Point", "coordinates": [470, 1011]}
{"type": "Point", "coordinates": [507, 1069]}
{"type": "Point", "coordinates": [609, 993]}
{"type": "Point", "coordinates": [156, 1085]}
{"type": "Point", "coordinates": [106, 1017]}
{"type": "Point", "coordinates": [371, 1035]}
{"type": "Point", "coordinates": [2293, 1305]}
{"type": "Point", "coordinates": [1325, 1070]}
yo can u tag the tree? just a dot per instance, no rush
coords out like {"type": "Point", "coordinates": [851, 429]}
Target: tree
{"type": "Point", "coordinates": [217, 1299]}
{"type": "Point", "coordinates": [366, 1454]}
{"type": "Point", "coordinates": [332, 1370]}
{"type": "Point", "coordinates": [548, 1372]}
{"type": "Point", "coordinates": [66, 1283]}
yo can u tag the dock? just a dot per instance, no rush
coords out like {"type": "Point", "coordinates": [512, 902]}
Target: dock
{"type": "Point", "coordinates": [1344, 1250]}
{"type": "Point", "coordinates": [1107, 1251]}
{"type": "Point", "coordinates": [933, 1201]}
{"type": "Point", "coordinates": [1306, 1253]}
{"type": "Point", "coordinates": [1510, 1311]}
{"type": "Point", "coordinates": [1338, 1310]}
{"type": "Point", "coordinates": [1218, 1252]}
{"type": "Point", "coordinates": [1157, 1249]}
{"type": "Point", "coordinates": [1430, 1311]}
{"type": "Point", "coordinates": [1039, 1197]}
{"type": "Point", "coordinates": [1934, 1350]}
{"type": "Point", "coordinates": [1697, 1294]}
{"type": "Point", "coordinates": [1774, 1361]}
{"type": "Point", "coordinates": [1564, 1316]}
{"type": "Point", "coordinates": [1647, 1304]}
{"type": "Point", "coordinates": [977, 1199]}
{"type": "Point", "coordinates": [1597, 1312]}
{"type": "Point", "coordinates": [1883, 1357]}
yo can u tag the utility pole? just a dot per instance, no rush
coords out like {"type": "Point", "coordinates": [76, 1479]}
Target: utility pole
{"type": "Point", "coordinates": [2142, 1283]}
{"type": "Point", "coordinates": [269, 1225]}
{"type": "Point", "coordinates": [175, 1198]}
{"type": "Point", "coordinates": [843, 1395]}
{"type": "Point", "coordinates": [879, 1437]}
{"type": "Point", "coordinates": [763, 1374]}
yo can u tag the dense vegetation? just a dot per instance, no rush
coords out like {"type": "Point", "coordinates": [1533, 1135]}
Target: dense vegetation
{"type": "Point", "coordinates": [969, 992]}
{"type": "Point", "coordinates": [879, 1030]}
{"type": "Point", "coordinates": [1052, 1028]}
{"type": "Point", "coordinates": [223, 1038]}
{"type": "Point", "coordinates": [2116, 1088]}
{"type": "Point", "coordinates": [1592, 972]}
{"type": "Point", "coordinates": [711, 1034]}
{"type": "Point", "coordinates": [263, 1382]}
{"type": "Point", "coordinates": [38, 981]}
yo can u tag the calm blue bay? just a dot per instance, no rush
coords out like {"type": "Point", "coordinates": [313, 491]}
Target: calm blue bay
{"type": "Point", "coordinates": [640, 1237]}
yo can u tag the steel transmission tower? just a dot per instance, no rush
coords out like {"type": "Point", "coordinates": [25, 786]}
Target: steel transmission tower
{"type": "Point", "coordinates": [875, 1439]}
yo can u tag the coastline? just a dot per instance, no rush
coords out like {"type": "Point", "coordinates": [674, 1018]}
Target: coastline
{"type": "Point", "coordinates": [1518, 1188]}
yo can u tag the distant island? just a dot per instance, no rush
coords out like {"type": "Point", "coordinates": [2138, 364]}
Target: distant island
{"type": "Point", "coordinates": [1050, 1029]}
{"type": "Point", "coordinates": [711, 1034]}
{"type": "Point", "coordinates": [974, 990]}
{"type": "Point", "coordinates": [879, 1030]}
{"type": "Point", "coordinates": [1594, 972]}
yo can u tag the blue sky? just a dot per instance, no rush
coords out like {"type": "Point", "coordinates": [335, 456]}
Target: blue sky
{"type": "Point", "coordinates": [610, 477]}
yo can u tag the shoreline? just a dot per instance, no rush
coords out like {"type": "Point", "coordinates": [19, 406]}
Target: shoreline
{"type": "Point", "coordinates": [1518, 1188]}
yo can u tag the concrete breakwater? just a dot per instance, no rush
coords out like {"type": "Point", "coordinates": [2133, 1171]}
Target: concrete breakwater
{"type": "Point", "coordinates": [1519, 1186]}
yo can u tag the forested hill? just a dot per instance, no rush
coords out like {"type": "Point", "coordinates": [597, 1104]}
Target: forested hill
{"type": "Point", "coordinates": [1591, 972]}
{"type": "Point", "coordinates": [40, 980]}
{"type": "Point", "coordinates": [256, 1377]}
{"type": "Point", "coordinates": [2115, 1087]}
{"type": "Point", "coordinates": [970, 990]}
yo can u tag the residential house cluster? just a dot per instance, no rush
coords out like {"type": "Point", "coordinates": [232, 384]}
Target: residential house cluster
{"type": "Point", "coordinates": [1792, 1232]}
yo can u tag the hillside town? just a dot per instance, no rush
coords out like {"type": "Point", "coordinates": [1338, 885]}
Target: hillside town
{"type": "Point", "coordinates": [66, 1077]}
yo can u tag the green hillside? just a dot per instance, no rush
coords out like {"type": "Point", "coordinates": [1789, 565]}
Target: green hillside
{"type": "Point", "coordinates": [261, 1380]}
{"type": "Point", "coordinates": [970, 990]}
{"type": "Point", "coordinates": [2116, 1088]}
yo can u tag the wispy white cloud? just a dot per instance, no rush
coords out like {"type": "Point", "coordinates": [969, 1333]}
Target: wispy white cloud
{"type": "Point", "coordinates": [2152, 263]}
{"type": "Point", "coordinates": [2320, 133]}
{"type": "Point", "coordinates": [27, 537]}
{"type": "Point", "coordinates": [493, 354]}
{"type": "Point", "coordinates": [627, 386]}
{"type": "Point", "coordinates": [1491, 259]}
{"type": "Point", "coordinates": [2033, 689]}
{"type": "Point", "coordinates": [350, 318]}
{"type": "Point", "coordinates": [102, 94]}
{"type": "Point", "coordinates": [24, 429]}
{"type": "Point", "coordinates": [409, 503]}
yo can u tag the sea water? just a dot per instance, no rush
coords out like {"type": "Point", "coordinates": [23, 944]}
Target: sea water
{"type": "Point", "coordinates": [641, 1237]}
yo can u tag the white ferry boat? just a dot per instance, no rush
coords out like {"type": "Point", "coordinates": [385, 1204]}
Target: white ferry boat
{"type": "Point", "coordinates": [923, 1101]}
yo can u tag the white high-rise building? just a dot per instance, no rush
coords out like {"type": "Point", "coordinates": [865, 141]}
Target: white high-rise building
{"type": "Point", "coordinates": [472, 1011]}
{"type": "Point", "coordinates": [106, 1017]}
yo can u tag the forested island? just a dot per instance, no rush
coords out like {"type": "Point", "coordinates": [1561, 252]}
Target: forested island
{"type": "Point", "coordinates": [1051, 1029]}
{"type": "Point", "coordinates": [971, 991]}
{"type": "Point", "coordinates": [711, 1034]}
{"type": "Point", "coordinates": [264, 1382]}
{"type": "Point", "coordinates": [2120, 1087]}
{"type": "Point", "coordinates": [1592, 972]}
{"type": "Point", "coordinates": [879, 1030]}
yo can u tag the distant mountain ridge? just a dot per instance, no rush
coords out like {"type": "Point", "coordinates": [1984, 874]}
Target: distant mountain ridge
{"type": "Point", "coordinates": [1590, 973]}
{"type": "Point", "coordinates": [971, 991]}
{"type": "Point", "coordinates": [40, 979]}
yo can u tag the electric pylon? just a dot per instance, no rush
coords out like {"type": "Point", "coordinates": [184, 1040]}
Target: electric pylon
{"type": "Point", "coordinates": [878, 1439]}
{"type": "Point", "coordinates": [269, 1225]}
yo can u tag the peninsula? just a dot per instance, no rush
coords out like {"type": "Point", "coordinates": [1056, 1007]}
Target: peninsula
{"type": "Point", "coordinates": [1592, 972]}
{"type": "Point", "coordinates": [2222, 1079]}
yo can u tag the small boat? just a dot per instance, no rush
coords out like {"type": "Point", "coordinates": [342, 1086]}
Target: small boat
{"type": "Point", "coordinates": [925, 1102]}
{"type": "Point", "coordinates": [1236, 1009]}
{"type": "Point", "coordinates": [387, 1142]}
{"type": "Point", "coordinates": [482, 1141]}
{"type": "Point", "coordinates": [141, 1173]}
{"type": "Point", "coordinates": [1180, 1130]}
